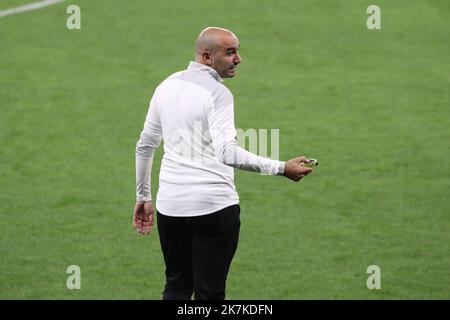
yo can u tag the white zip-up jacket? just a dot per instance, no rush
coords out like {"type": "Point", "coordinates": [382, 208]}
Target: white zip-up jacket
{"type": "Point", "coordinates": [193, 112]}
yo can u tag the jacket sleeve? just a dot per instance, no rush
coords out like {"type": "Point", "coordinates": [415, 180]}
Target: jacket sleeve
{"type": "Point", "coordinates": [148, 142]}
{"type": "Point", "coordinates": [220, 117]}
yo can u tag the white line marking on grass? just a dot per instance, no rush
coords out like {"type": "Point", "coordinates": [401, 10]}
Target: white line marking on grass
{"type": "Point", "coordinates": [28, 7]}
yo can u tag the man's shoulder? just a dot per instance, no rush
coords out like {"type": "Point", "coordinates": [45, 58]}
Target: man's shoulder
{"type": "Point", "coordinates": [176, 75]}
{"type": "Point", "coordinates": [215, 88]}
{"type": "Point", "coordinates": [172, 76]}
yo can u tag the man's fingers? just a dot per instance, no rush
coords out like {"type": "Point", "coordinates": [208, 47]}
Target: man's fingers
{"type": "Point", "coordinates": [151, 218]}
{"type": "Point", "coordinates": [143, 217]}
{"type": "Point", "coordinates": [146, 224]}
{"type": "Point", "coordinates": [305, 170]}
{"type": "Point", "coordinates": [146, 229]}
{"type": "Point", "coordinates": [138, 208]}
{"type": "Point", "coordinates": [302, 159]}
{"type": "Point", "coordinates": [137, 222]}
{"type": "Point", "coordinates": [300, 176]}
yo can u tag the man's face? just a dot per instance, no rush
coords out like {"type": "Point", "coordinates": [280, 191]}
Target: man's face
{"type": "Point", "coordinates": [225, 57]}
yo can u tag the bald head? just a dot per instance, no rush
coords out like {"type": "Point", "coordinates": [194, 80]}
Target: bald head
{"type": "Point", "coordinates": [211, 38]}
{"type": "Point", "coordinates": [217, 48]}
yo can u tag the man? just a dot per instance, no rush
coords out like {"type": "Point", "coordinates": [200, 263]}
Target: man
{"type": "Point", "coordinates": [197, 203]}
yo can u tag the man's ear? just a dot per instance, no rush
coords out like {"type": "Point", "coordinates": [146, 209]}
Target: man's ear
{"type": "Point", "coordinates": [206, 56]}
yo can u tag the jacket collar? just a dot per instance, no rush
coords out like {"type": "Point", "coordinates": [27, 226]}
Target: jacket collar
{"type": "Point", "coordinates": [200, 67]}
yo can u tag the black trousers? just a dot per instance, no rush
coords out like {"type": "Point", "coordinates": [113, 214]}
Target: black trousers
{"type": "Point", "coordinates": [198, 252]}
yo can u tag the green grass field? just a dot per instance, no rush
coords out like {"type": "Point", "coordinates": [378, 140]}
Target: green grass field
{"type": "Point", "coordinates": [371, 105]}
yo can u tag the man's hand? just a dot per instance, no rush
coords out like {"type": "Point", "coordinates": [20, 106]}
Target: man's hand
{"type": "Point", "coordinates": [143, 217]}
{"type": "Point", "coordinates": [294, 169]}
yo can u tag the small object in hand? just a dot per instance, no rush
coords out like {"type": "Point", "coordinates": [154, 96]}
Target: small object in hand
{"type": "Point", "coordinates": [312, 163]}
